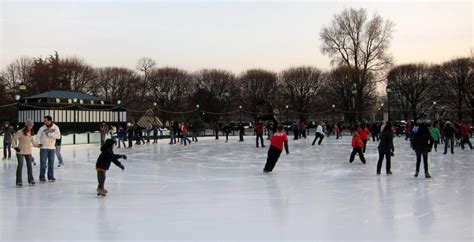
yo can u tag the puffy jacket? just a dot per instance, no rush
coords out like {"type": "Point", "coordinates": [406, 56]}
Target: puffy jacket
{"type": "Point", "coordinates": [357, 142]}
{"type": "Point", "coordinates": [364, 133]}
{"type": "Point", "coordinates": [106, 157]}
{"type": "Point", "coordinates": [422, 142]}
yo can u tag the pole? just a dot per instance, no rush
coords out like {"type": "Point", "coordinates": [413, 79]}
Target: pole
{"type": "Point", "coordinates": [74, 135]}
{"type": "Point", "coordinates": [388, 106]}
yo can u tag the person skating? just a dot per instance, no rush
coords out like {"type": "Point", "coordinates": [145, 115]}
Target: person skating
{"type": "Point", "coordinates": [338, 130]}
{"type": "Point", "coordinates": [295, 128]}
{"type": "Point", "coordinates": [364, 135]}
{"type": "Point", "coordinates": [436, 135]}
{"type": "Point", "coordinates": [448, 136]}
{"type": "Point", "coordinates": [106, 157]}
{"type": "Point", "coordinates": [278, 141]}
{"type": "Point", "coordinates": [130, 132]}
{"type": "Point", "coordinates": [185, 133]}
{"type": "Point", "coordinates": [319, 134]}
{"type": "Point", "coordinates": [155, 134]}
{"type": "Point", "coordinates": [422, 143]}
{"type": "Point", "coordinates": [58, 152]}
{"type": "Point", "coordinates": [46, 137]}
{"type": "Point", "coordinates": [227, 132]}
{"type": "Point", "coordinates": [385, 148]}
{"type": "Point", "coordinates": [172, 134]}
{"type": "Point", "coordinates": [8, 133]}
{"type": "Point", "coordinates": [104, 129]}
{"type": "Point", "coordinates": [194, 132]}
{"type": "Point", "coordinates": [22, 142]}
{"type": "Point", "coordinates": [259, 133]}
{"type": "Point", "coordinates": [216, 130]}
{"type": "Point", "coordinates": [465, 133]}
{"type": "Point", "coordinates": [121, 134]}
{"type": "Point", "coordinates": [357, 146]}
{"type": "Point", "coordinates": [241, 132]}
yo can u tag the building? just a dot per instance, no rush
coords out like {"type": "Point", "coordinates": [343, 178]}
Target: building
{"type": "Point", "coordinates": [73, 112]}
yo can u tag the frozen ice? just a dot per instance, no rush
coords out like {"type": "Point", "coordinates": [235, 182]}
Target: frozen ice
{"type": "Point", "coordinates": [212, 190]}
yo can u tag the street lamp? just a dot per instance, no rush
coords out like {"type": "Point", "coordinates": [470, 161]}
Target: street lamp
{"type": "Point", "coordinates": [434, 111]}
{"type": "Point", "coordinates": [226, 94]}
{"type": "Point", "coordinates": [381, 109]}
{"type": "Point", "coordinates": [240, 114]}
{"type": "Point", "coordinates": [74, 100]}
{"type": "Point", "coordinates": [354, 93]}
{"type": "Point", "coordinates": [163, 94]}
{"type": "Point", "coordinates": [389, 90]}
{"type": "Point", "coordinates": [119, 102]}
{"type": "Point", "coordinates": [333, 113]}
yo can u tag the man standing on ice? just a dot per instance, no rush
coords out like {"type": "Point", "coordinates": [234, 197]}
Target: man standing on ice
{"type": "Point", "coordinates": [278, 140]}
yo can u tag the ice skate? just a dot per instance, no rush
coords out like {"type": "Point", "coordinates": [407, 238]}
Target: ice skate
{"type": "Point", "coordinates": [101, 192]}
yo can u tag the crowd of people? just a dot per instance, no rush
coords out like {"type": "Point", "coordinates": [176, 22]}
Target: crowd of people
{"type": "Point", "coordinates": [423, 138]}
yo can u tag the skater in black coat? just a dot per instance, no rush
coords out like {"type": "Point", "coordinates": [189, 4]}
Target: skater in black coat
{"type": "Point", "coordinates": [103, 163]}
{"type": "Point", "coordinates": [422, 144]}
{"type": "Point", "coordinates": [385, 148]}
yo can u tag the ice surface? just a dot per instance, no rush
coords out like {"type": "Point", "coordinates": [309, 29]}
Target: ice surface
{"type": "Point", "coordinates": [214, 190]}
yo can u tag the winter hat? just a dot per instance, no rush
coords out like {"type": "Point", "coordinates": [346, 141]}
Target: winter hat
{"type": "Point", "coordinates": [29, 123]}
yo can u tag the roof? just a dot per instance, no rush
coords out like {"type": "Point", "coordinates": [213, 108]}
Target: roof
{"type": "Point", "coordinates": [65, 95]}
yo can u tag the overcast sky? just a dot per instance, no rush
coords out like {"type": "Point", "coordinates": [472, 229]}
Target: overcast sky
{"type": "Point", "coordinates": [228, 35]}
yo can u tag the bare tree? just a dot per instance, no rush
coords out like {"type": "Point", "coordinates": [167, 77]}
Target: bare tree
{"type": "Point", "coordinates": [413, 83]}
{"type": "Point", "coordinates": [354, 40]}
{"type": "Point", "coordinates": [18, 71]}
{"type": "Point", "coordinates": [145, 65]}
{"type": "Point", "coordinates": [117, 83]}
{"type": "Point", "coordinates": [76, 74]}
{"type": "Point", "coordinates": [301, 86]}
{"type": "Point", "coordinates": [457, 80]}
{"type": "Point", "coordinates": [259, 90]}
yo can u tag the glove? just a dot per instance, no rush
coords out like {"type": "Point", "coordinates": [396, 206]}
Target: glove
{"type": "Point", "coordinates": [122, 167]}
{"type": "Point", "coordinates": [392, 154]}
{"type": "Point", "coordinates": [17, 149]}
{"type": "Point", "coordinates": [124, 157]}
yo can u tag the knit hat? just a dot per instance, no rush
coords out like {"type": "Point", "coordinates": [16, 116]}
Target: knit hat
{"type": "Point", "coordinates": [29, 123]}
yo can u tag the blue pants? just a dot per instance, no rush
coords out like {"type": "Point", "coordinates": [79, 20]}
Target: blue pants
{"type": "Point", "coordinates": [47, 154]}
{"type": "Point", "coordinates": [58, 154]}
{"type": "Point", "coordinates": [7, 150]}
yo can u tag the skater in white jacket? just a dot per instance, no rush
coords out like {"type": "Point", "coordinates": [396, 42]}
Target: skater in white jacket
{"type": "Point", "coordinates": [46, 138]}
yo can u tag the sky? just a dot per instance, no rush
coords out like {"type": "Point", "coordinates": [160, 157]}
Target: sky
{"type": "Point", "coordinates": [228, 35]}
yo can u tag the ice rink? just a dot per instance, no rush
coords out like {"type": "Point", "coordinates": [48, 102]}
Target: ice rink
{"type": "Point", "coordinates": [212, 190]}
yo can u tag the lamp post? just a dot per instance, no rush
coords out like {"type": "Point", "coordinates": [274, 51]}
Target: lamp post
{"type": "Point", "coordinates": [75, 121]}
{"type": "Point", "coordinates": [354, 93]}
{"type": "Point", "coordinates": [389, 90]}
{"type": "Point", "coordinates": [240, 114]}
{"type": "Point", "coordinates": [333, 114]}
{"type": "Point", "coordinates": [163, 94]}
{"type": "Point", "coordinates": [226, 94]}
{"type": "Point", "coordinates": [17, 99]}
{"type": "Point", "coordinates": [434, 111]}
{"type": "Point", "coordinates": [381, 110]}
{"type": "Point", "coordinates": [119, 102]}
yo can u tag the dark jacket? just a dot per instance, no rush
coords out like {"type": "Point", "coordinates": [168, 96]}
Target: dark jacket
{"type": "Point", "coordinates": [422, 142]}
{"type": "Point", "coordinates": [448, 132]}
{"type": "Point", "coordinates": [106, 157]}
{"type": "Point", "coordinates": [386, 141]}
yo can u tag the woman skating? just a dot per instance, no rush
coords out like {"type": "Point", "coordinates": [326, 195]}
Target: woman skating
{"type": "Point", "coordinates": [364, 134]}
{"type": "Point", "coordinates": [385, 148]}
{"type": "Point", "coordinates": [22, 142]}
{"type": "Point", "coordinates": [422, 143]}
{"type": "Point", "coordinates": [436, 135]}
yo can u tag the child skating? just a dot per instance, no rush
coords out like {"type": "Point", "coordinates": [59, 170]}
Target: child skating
{"type": "Point", "coordinates": [278, 140]}
{"type": "Point", "coordinates": [103, 164]}
{"type": "Point", "coordinates": [357, 146]}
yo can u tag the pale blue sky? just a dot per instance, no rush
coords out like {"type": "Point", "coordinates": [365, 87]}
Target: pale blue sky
{"type": "Point", "coordinates": [228, 35]}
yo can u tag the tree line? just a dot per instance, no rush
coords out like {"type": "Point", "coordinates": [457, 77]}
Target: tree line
{"type": "Point", "coordinates": [357, 44]}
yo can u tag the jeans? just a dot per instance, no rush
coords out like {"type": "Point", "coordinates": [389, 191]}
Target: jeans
{"type": "Point", "coordinates": [101, 179]}
{"type": "Point", "coordinates": [388, 157]}
{"type": "Point", "coordinates": [446, 142]}
{"type": "Point", "coordinates": [194, 136]}
{"type": "Point", "coordinates": [46, 155]}
{"type": "Point", "coordinates": [261, 139]}
{"type": "Point", "coordinates": [418, 161]}
{"type": "Point", "coordinates": [185, 138]}
{"type": "Point", "coordinates": [58, 154]}
{"type": "Point", "coordinates": [102, 139]}
{"type": "Point", "coordinates": [7, 150]}
{"type": "Point", "coordinates": [172, 138]}
{"type": "Point", "coordinates": [121, 140]}
{"type": "Point", "coordinates": [19, 169]}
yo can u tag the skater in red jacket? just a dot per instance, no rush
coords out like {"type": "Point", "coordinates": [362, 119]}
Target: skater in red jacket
{"type": "Point", "coordinates": [364, 135]}
{"type": "Point", "coordinates": [357, 145]}
{"type": "Point", "coordinates": [279, 140]}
